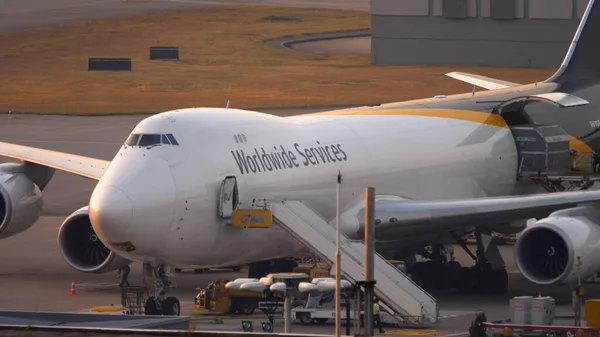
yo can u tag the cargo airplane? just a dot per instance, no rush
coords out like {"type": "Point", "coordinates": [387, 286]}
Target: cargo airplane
{"type": "Point", "coordinates": [442, 167]}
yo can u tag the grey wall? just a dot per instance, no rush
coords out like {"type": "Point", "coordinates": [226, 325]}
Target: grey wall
{"type": "Point", "coordinates": [512, 33]}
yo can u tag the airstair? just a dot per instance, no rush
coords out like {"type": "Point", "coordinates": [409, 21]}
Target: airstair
{"type": "Point", "coordinates": [401, 297]}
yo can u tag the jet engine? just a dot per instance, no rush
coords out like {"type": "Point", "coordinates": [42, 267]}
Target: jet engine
{"type": "Point", "coordinates": [549, 251]}
{"type": "Point", "coordinates": [81, 247]}
{"type": "Point", "coordinates": [20, 200]}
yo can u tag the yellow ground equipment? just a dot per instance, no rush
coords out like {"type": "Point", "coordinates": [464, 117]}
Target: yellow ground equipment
{"type": "Point", "coordinates": [111, 309]}
{"type": "Point", "coordinates": [216, 298]}
{"type": "Point", "coordinates": [592, 313]}
{"type": "Point", "coordinates": [400, 265]}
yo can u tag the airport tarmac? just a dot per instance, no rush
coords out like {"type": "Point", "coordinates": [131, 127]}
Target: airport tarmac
{"type": "Point", "coordinates": [341, 46]}
{"type": "Point", "coordinates": [35, 277]}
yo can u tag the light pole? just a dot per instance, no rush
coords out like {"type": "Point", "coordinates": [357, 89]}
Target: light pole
{"type": "Point", "coordinates": [337, 257]}
{"type": "Point", "coordinates": [369, 258]}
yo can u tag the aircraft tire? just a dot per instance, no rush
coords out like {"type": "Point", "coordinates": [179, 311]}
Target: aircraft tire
{"type": "Point", "coordinates": [469, 278]}
{"type": "Point", "coordinates": [150, 307]}
{"type": "Point", "coordinates": [418, 274]}
{"type": "Point", "coordinates": [486, 282]}
{"type": "Point", "coordinates": [501, 276]}
{"type": "Point", "coordinates": [428, 275]}
{"type": "Point", "coordinates": [492, 281]}
{"type": "Point", "coordinates": [171, 306]}
{"type": "Point", "coordinates": [442, 278]}
{"type": "Point", "coordinates": [454, 269]}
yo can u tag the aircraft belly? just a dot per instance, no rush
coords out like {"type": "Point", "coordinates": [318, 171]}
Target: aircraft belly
{"type": "Point", "coordinates": [241, 246]}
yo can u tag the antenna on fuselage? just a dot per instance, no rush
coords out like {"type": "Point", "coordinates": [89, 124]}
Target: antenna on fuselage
{"type": "Point", "coordinates": [227, 106]}
{"type": "Point", "coordinates": [473, 92]}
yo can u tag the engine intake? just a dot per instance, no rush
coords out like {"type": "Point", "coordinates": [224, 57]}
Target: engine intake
{"type": "Point", "coordinates": [549, 251]}
{"type": "Point", "coordinates": [543, 255]}
{"type": "Point", "coordinates": [81, 247]}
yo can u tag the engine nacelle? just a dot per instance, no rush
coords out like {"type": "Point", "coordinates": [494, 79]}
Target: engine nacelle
{"type": "Point", "coordinates": [548, 251]}
{"type": "Point", "coordinates": [81, 247]}
{"type": "Point", "coordinates": [20, 201]}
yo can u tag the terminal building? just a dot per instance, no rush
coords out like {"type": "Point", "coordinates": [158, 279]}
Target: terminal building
{"type": "Point", "coordinates": [506, 33]}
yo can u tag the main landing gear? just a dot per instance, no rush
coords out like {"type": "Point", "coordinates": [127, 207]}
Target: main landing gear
{"type": "Point", "coordinates": [488, 275]}
{"type": "Point", "coordinates": [439, 273]}
{"type": "Point", "coordinates": [123, 276]}
{"type": "Point", "coordinates": [159, 304]}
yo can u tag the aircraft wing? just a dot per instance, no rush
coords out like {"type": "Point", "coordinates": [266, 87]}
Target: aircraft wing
{"type": "Point", "coordinates": [406, 217]}
{"type": "Point", "coordinates": [83, 166]}
{"type": "Point", "coordinates": [481, 81]}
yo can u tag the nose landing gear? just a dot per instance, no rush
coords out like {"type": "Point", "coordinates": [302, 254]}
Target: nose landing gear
{"type": "Point", "coordinates": [159, 304]}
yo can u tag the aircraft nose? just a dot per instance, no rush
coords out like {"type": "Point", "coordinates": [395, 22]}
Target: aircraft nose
{"type": "Point", "coordinates": [133, 205]}
{"type": "Point", "coordinates": [110, 212]}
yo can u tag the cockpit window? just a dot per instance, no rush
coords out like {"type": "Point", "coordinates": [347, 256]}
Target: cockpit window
{"type": "Point", "coordinates": [132, 140]}
{"type": "Point", "coordinates": [172, 139]}
{"type": "Point", "coordinates": [150, 139]}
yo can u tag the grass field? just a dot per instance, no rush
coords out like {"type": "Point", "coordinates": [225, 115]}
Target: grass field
{"type": "Point", "coordinates": [223, 57]}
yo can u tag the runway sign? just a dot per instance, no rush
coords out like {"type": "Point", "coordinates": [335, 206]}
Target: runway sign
{"type": "Point", "coordinates": [254, 218]}
{"type": "Point", "coordinates": [164, 53]}
{"type": "Point", "coordinates": [109, 64]}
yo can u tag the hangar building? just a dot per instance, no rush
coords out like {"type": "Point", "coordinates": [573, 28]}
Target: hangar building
{"type": "Point", "coordinates": [507, 33]}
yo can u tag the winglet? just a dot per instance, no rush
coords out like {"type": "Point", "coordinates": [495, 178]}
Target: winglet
{"type": "Point", "coordinates": [481, 81]}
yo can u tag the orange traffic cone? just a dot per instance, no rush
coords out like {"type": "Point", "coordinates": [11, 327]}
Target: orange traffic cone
{"type": "Point", "coordinates": [73, 291]}
{"type": "Point", "coordinates": [539, 294]}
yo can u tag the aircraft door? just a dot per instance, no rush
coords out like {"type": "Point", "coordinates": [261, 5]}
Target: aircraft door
{"type": "Point", "coordinates": [229, 198]}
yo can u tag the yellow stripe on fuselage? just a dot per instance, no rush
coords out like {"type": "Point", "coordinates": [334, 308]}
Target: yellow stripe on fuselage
{"type": "Point", "coordinates": [466, 115]}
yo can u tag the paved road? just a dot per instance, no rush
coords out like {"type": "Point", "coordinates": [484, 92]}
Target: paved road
{"type": "Point", "coordinates": [35, 277]}
{"type": "Point", "coordinates": [24, 14]}
{"type": "Point", "coordinates": [348, 46]}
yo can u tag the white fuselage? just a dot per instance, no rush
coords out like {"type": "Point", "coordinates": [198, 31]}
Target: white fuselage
{"type": "Point", "coordinates": [169, 194]}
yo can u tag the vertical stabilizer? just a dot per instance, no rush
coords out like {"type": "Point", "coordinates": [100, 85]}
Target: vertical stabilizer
{"type": "Point", "coordinates": [582, 62]}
